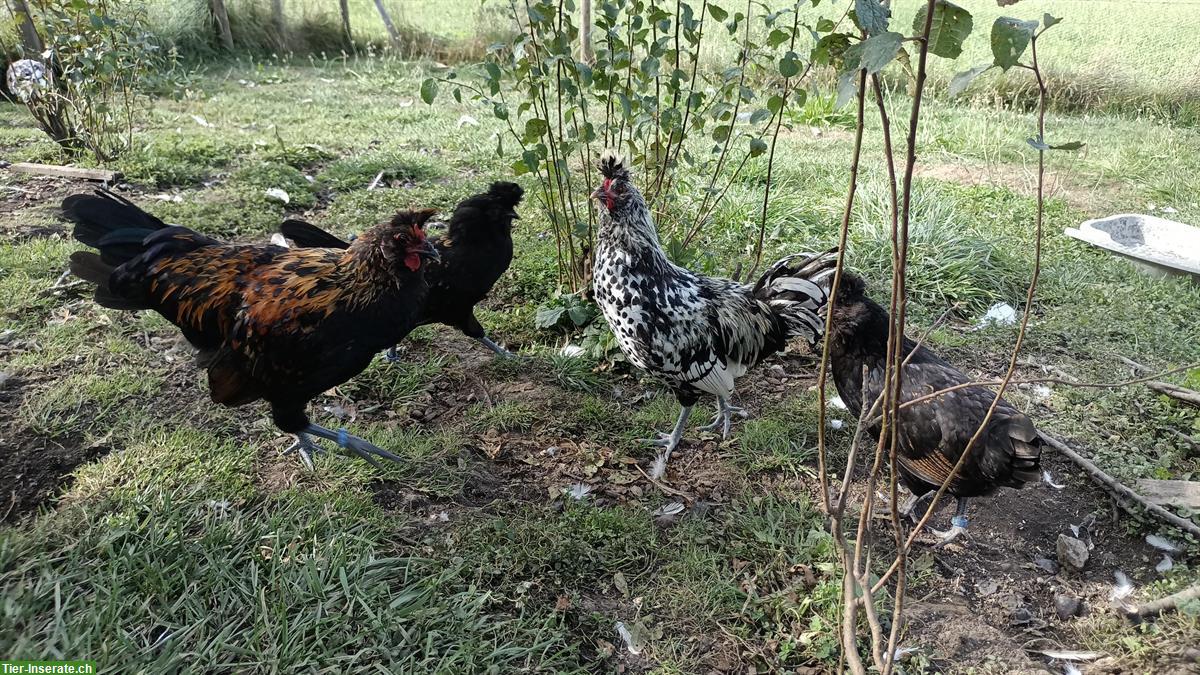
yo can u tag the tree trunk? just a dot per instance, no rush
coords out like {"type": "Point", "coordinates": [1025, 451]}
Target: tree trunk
{"type": "Point", "coordinates": [345, 6]}
{"type": "Point", "coordinates": [31, 42]}
{"type": "Point", "coordinates": [222, 16]}
{"type": "Point", "coordinates": [393, 34]}
{"type": "Point", "coordinates": [585, 31]}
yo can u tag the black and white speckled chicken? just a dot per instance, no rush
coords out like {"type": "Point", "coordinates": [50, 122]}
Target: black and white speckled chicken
{"type": "Point", "coordinates": [933, 433]}
{"type": "Point", "coordinates": [699, 334]}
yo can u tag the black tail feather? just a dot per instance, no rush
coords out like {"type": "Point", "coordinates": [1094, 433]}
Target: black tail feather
{"type": "Point", "coordinates": [91, 267]}
{"type": "Point", "coordinates": [99, 214]}
{"type": "Point", "coordinates": [307, 235]}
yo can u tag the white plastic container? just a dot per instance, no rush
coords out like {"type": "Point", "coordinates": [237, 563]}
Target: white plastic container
{"type": "Point", "coordinates": [1156, 246]}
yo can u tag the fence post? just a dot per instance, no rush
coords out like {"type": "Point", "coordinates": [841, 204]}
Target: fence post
{"type": "Point", "coordinates": [281, 32]}
{"type": "Point", "coordinates": [31, 42]}
{"type": "Point", "coordinates": [585, 31]}
{"type": "Point", "coordinates": [345, 6]}
{"type": "Point", "coordinates": [393, 34]}
{"type": "Point", "coordinates": [222, 16]}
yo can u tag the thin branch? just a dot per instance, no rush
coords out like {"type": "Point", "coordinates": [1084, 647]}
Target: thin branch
{"type": "Point", "coordinates": [737, 103]}
{"type": "Point", "coordinates": [1119, 489]}
{"type": "Point", "coordinates": [1050, 380]}
{"type": "Point", "coordinates": [823, 370]}
{"type": "Point", "coordinates": [1168, 603]}
{"type": "Point", "coordinates": [1029, 295]}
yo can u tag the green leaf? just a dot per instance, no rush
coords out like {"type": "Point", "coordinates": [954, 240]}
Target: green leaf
{"type": "Point", "coordinates": [530, 160]}
{"type": "Point", "coordinates": [847, 88]}
{"type": "Point", "coordinates": [548, 317]}
{"type": "Point", "coordinates": [1010, 37]}
{"type": "Point", "coordinates": [717, 13]}
{"type": "Point", "coordinates": [830, 48]}
{"type": "Point", "coordinates": [1048, 20]}
{"type": "Point", "coordinates": [534, 129]}
{"type": "Point", "coordinates": [825, 25]}
{"type": "Point", "coordinates": [777, 37]}
{"type": "Point", "coordinates": [775, 103]}
{"type": "Point", "coordinates": [872, 16]}
{"type": "Point", "coordinates": [950, 27]}
{"type": "Point", "coordinates": [721, 133]}
{"type": "Point", "coordinates": [500, 111]}
{"type": "Point", "coordinates": [1070, 145]}
{"type": "Point", "coordinates": [429, 90]}
{"type": "Point", "coordinates": [760, 115]}
{"type": "Point", "coordinates": [585, 74]}
{"type": "Point", "coordinates": [962, 80]}
{"type": "Point", "coordinates": [789, 65]}
{"type": "Point", "coordinates": [874, 53]}
{"type": "Point", "coordinates": [757, 147]}
{"type": "Point", "coordinates": [579, 314]}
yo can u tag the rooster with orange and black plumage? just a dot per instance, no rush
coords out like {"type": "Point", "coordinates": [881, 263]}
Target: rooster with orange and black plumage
{"type": "Point", "coordinates": [272, 323]}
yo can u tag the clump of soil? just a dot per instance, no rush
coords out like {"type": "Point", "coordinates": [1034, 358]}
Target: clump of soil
{"type": "Point", "coordinates": [35, 468]}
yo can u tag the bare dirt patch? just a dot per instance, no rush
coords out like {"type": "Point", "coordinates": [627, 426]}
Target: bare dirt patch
{"type": "Point", "coordinates": [991, 600]}
{"type": "Point", "coordinates": [1088, 196]}
{"type": "Point", "coordinates": [33, 468]}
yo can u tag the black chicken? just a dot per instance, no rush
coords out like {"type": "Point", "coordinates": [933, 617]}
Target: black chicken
{"type": "Point", "coordinates": [933, 433]}
{"type": "Point", "coordinates": [698, 333]}
{"type": "Point", "coordinates": [475, 251]}
{"type": "Point", "coordinates": [270, 322]}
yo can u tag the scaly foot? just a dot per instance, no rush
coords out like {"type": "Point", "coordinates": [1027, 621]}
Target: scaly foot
{"type": "Point", "coordinates": [354, 444]}
{"type": "Point", "coordinates": [500, 351]}
{"type": "Point", "coordinates": [305, 448]}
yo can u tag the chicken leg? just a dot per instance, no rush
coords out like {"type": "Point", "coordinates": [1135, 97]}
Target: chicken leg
{"type": "Point", "coordinates": [500, 351]}
{"type": "Point", "coordinates": [958, 524]}
{"type": "Point", "coordinates": [724, 416]}
{"type": "Point", "coordinates": [306, 448]}
{"type": "Point", "coordinates": [668, 442]}
{"type": "Point", "coordinates": [391, 356]}
{"type": "Point", "coordinates": [344, 439]}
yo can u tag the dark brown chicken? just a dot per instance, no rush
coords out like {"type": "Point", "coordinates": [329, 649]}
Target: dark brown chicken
{"type": "Point", "coordinates": [475, 251]}
{"type": "Point", "coordinates": [934, 433]}
{"type": "Point", "coordinates": [271, 323]}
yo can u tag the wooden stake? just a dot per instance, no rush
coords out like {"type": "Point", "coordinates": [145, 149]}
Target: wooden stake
{"type": "Point", "coordinates": [31, 42]}
{"type": "Point", "coordinates": [66, 171]}
{"type": "Point", "coordinates": [345, 7]}
{"type": "Point", "coordinates": [393, 34]}
{"type": "Point", "coordinates": [277, 18]}
{"type": "Point", "coordinates": [585, 31]}
{"type": "Point", "coordinates": [222, 17]}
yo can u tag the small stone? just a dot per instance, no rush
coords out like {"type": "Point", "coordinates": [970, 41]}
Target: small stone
{"type": "Point", "coordinates": [1047, 564]}
{"type": "Point", "coordinates": [1067, 606]}
{"type": "Point", "coordinates": [987, 587]}
{"type": "Point", "coordinates": [777, 371]}
{"type": "Point", "coordinates": [1072, 553]}
{"type": "Point", "coordinates": [1010, 602]}
{"type": "Point", "coordinates": [1021, 616]}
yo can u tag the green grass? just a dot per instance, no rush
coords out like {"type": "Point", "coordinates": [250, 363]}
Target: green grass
{"type": "Point", "coordinates": [193, 545]}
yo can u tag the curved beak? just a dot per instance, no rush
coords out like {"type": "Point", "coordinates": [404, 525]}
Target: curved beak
{"type": "Point", "coordinates": [429, 252]}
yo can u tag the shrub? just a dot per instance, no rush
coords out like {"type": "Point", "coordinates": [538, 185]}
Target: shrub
{"type": "Point", "coordinates": [98, 67]}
